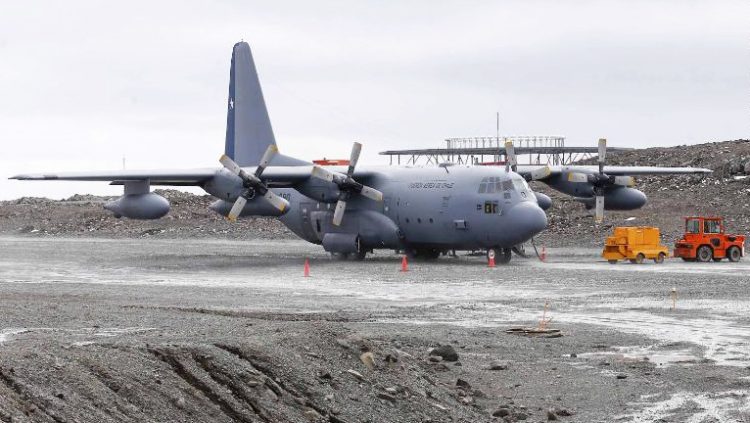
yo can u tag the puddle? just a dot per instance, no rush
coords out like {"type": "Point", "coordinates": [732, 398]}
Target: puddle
{"type": "Point", "coordinates": [727, 406]}
{"type": "Point", "coordinates": [653, 354]}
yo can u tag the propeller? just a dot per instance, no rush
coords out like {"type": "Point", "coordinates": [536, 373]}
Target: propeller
{"type": "Point", "coordinates": [601, 180]}
{"type": "Point", "coordinates": [348, 187]}
{"type": "Point", "coordinates": [253, 183]}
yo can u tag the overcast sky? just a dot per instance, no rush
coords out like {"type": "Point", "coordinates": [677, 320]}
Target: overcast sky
{"type": "Point", "coordinates": [83, 84]}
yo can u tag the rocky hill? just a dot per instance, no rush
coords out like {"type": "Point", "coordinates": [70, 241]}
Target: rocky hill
{"type": "Point", "coordinates": [726, 193]}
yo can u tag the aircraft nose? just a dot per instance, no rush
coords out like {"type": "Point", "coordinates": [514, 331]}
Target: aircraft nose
{"type": "Point", "coordinates": [528, 218]}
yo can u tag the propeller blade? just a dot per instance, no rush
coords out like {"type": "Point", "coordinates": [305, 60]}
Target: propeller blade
{"type": "Point", "coordinates": [577, 177]}
{"type": "Point", "coordinates": [230, 165]}
{"type": "Point", "coordinates": [510, 156]}
{"type": "Point", "coordinates": [372, 193]}
{"type": "Point", "coordinates": [599, 209]}
{"type": "Point", "coordinates": [236, 209]}
{"type": "Point", "coordinates": [338, 214]}
{"type": "Point", "coordinates": [270, 153]}
{"type": "Point", "coordinates": [602, 154]}
{"type": "Point", "coordinates": [276, 201]}
{"type": "Point", "coordinates": [322, 173]}
{"type": "Point", "coordinates": [540, 173]}
{"type": "Point", "coordinates": [354, 158]}
{"type": "Point", "coordinates": [626, 181]}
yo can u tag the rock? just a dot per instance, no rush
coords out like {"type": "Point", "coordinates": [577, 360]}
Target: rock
{"type": "Point", "coordinates": [563, 412]}
{"type": "Point", "coordinates": [447, 352]}
{"type": "Point", "coordinates": [435, 358]}
{"type": "Point", "coordinates": [622, 376]}
{"type": "Point", "coordinates": [520, 416]}
{"type": "Point", "coordinates": [499, 365]}
{"type": "Point", "coordinates": [391, 390]}
{"type": "Point", "coordinates": [501, 412]}
{"type": "Point", "coordinates": [458, 364]}
{"type": "Point", "coordinates": [312, 415]}
{"type": "Point", "coordinates": [573, 355]}
{"type": "Point", "coordinates": [368, 359]}
{"type": "Point", "coordinates": [356, 374]}
{"type": "Point", "coordinates": [460, 383]}
{"type": "Point", "coordinates": [386, 396]}
{"type": "Point", "coordinates": [391, 358]}
{"type": "Point", "coordinates": [551, 415]}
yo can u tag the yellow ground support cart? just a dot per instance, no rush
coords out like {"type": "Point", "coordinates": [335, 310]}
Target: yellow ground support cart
{"type": "Point", "coordinates": [635, 243]}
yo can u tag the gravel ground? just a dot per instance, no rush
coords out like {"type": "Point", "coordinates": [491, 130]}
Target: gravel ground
{"type": "Point", "coordinates": [218, 330]}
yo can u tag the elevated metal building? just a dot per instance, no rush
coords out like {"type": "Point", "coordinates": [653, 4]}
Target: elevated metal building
{"type": "Point", "coordinates": [549, 150]}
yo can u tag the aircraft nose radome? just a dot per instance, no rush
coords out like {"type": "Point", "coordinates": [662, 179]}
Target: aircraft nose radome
{"type": "Point", "coordinates": [529, 218]}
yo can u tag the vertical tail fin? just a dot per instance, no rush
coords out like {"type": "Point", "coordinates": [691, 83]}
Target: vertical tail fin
{"type": "Point", "coordinates": [249, 131]}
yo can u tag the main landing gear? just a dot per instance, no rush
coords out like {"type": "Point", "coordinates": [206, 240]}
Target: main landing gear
{"type": "Point", "coordinates": [501, 255]}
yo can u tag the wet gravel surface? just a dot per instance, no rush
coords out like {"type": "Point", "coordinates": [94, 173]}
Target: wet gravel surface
{"type": "Point", "coordinates": [221, 330]}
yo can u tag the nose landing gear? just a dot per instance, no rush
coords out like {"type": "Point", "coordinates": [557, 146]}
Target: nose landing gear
{"type": "Point", "coordinates": [501, 255]}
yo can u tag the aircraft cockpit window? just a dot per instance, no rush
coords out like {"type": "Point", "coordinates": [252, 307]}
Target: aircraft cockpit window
{"type": "Point", "coordinates": [692, 226]}
{"type": "Point", "coordinates": [507, 185]}
{"type": "Point", "coordinates": [520, 185]}
{"type": "Point", "coordinates": [490, 207]}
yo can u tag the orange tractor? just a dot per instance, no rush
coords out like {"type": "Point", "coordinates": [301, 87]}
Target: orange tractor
{"type": "Point", "coordinates": [704, 240]}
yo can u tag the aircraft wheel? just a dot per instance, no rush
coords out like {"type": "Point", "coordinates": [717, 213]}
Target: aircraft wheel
{"type": "Point", "coordinates": [705, 254]}
{"type": "Point", "coordinates": [360, 255]}
{"type": "Point", "coordinates": [734, 254]}
{"type": "Point", "coordinates": [660, 258]}
{"type": "Point", "coordinates": [503, 255]}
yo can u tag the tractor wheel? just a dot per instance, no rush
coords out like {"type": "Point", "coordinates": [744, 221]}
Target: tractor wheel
{"type": "Point", "coordinates": [612, 261]}
{"type": "Point", "coordinates": [660, 258]}
{"type": "Point", "coordinates": [639, 258]}
{"type": "Point", "coordinates": [704, 254]}
{"type": "Point", "coordinates": [734, 254]}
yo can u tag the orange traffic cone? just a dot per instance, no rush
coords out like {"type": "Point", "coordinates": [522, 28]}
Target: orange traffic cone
{"type": "Point", "coordinates": [543, 256]}
{"type": "Point", "coordinates": [307, 268]}
{"type": "Point", "coordinates": [491, 261]}
{"type": "Point", "coordinates": [404, 264]}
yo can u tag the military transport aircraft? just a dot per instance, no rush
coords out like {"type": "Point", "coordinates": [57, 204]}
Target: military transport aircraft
{"type": "Point", "coordinates": [353, 210]}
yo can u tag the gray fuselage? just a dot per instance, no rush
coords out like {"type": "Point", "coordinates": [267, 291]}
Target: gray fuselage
{"type": "Point", "coordinates": [453, 207]}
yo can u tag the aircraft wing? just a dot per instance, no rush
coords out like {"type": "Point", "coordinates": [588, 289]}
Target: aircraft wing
{"type": "Point", "coordinates": [528, 170]}
{"type": "Point", "coordinates": [276, 176]}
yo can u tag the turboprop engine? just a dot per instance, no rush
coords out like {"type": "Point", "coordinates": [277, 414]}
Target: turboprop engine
{"type": "Point", "coordinates": [138, 202]}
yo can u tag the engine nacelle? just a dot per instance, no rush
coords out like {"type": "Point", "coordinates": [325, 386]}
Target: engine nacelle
{"type": "Point", "coordinates": [139, 206]}
{"type": "Point", "coordinates": [341, 243]}
{"type": "Point", "coordinates": [619, 198]}
{"type": "Point", "coordinates": [543, 200]}
{"type": "Point", "coordinates": [138, 202]}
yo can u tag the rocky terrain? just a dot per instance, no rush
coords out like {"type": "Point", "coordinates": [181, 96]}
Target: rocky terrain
{"type": "Point", "coordinates": [725, 193]}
